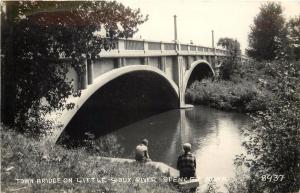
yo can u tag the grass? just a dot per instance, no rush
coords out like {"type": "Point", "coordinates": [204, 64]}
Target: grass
{"type": "Point", "coordinates": [25, 158]}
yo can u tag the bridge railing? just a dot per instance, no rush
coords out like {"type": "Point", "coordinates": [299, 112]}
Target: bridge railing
{"type": "Point", "coordinates": [169, 46]}
{"type": "Point", "coordinates": [136, 47]}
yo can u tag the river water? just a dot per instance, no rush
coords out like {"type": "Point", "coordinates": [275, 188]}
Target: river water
{"type": "Point", "coordinates": [215, 137]}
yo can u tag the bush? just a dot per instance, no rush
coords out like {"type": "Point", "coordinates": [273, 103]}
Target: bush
{"type": "Point", "coordinates": [226, 95]}
{"type": "Point", "coordinates": [239, 183]}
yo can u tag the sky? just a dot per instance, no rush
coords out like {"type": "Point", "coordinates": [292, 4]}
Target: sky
{"type": "Point", "coordinates": [197, 18]}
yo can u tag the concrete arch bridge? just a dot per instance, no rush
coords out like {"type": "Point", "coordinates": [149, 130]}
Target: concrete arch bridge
{"type": "Point", "coordinates": [136, 80]}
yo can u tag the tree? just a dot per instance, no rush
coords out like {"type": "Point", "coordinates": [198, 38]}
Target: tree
{"type": "Point", "coordinates": [268, 33]}
{"type": "Point", "coordinates": [37, 35]}
{"type": "Point", "coordinates": [293, 29]}
{"type": "Point", "coordinates": [231, 62]}
{"type": "Point", "coordinates": [233, 46]}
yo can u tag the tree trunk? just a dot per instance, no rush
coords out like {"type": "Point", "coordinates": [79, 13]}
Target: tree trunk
{"type": "Point", "coordinates": [8, 72]}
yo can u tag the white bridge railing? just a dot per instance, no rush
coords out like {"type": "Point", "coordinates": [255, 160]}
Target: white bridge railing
{"type": "Point", "coordinates": [139, 47]}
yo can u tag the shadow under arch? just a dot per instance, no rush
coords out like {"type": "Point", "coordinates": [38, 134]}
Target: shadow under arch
{"type": "Point", "coordinates": [118, 98]}
{"type": "Point", "coordinates": [199, 70]}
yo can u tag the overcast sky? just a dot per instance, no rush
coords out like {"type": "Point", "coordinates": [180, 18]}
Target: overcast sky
{"type": "Point", "coordinates": [196, 18]}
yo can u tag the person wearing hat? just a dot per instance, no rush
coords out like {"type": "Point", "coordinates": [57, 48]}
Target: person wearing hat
{"type": "Point", "coordinates": [141, 152]}
{"type": "Point", "coordinates": [186, 163]}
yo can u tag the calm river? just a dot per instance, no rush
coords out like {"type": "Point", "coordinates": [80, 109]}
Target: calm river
{"type": "Point", "coordinates": [215, 137]}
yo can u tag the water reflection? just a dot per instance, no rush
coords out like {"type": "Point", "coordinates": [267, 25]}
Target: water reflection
{"type": "Point", "coordinates": [214, 135]}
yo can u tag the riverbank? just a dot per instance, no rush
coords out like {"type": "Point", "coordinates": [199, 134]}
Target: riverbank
{"type": "Point", "coordinates": [41, 167]}
{"type": "Point", "coordinates": [227, 95]}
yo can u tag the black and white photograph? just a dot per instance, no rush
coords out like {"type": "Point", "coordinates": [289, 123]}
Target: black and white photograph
{"type": "Point", "coordinates": [150, 96]}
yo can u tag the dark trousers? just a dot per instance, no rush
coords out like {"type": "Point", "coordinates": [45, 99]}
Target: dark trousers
{"type": "Point", "coordinates": [187, 173]}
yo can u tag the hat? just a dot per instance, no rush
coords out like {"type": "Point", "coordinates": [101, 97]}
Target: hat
{"type": "Point", "coordinates": [187, 147]}
{"type": "Point", "coordinates": [145, 141]}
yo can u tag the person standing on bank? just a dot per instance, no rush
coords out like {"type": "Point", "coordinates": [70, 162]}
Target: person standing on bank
{"type": "Point", "coordinates": [141, 152]}
{"type": "Point", "coordinates": [186, 163]}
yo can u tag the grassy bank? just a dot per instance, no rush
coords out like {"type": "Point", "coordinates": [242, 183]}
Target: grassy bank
{"type": "Point", "coordinates": [227, 95]}
{"type": "Point", "coordinates": [24, 158]}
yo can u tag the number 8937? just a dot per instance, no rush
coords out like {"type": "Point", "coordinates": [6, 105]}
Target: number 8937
{"type": "Point", "coordinates": [272, 178]}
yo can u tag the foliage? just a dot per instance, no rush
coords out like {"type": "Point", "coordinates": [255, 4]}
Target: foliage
{"type": "Point", "coordinates": [233, 46]}
{"type": "Point", "coordinates": [24, 158]}
{"type": "Point", "coordinates": [273, 140]}
{"type": "Point", "coordinates": [226, 95]}
{"type": "Point", "coordinates": [42, 40]}
{"type": "Point", "coordinates": [239, 183]}
{"type": "Point", "coordinates": [268, 34]}
{"type": "Point", "coordinates": [230, 64]}
{"type": "Point", "coordinates": [293, 28]}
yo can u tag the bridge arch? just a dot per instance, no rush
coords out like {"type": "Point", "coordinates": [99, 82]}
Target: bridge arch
{"type": "Point", "coordinates": [199, 69]}
{"type": "Point", "coordinates": [135, 75]}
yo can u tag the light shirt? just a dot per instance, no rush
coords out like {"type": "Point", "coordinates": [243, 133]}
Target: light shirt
{"type": "Point", "coordinates": [141, 152]}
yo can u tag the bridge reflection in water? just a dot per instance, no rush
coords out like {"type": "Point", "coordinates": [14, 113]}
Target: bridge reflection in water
{"type": "Point", "coordinates": [214, 135]}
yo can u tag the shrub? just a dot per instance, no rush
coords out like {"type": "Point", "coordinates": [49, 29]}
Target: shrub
{"type": "Point", "coordinates": [226, 95]}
